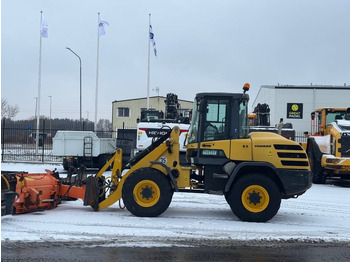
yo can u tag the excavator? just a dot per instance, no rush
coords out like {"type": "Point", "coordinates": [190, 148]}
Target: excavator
{"type": "Point", "coordinates": [253, 171]}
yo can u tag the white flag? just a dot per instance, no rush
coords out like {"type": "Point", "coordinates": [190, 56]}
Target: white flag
{"type": "Point", "coordinates": [101, 27]}
{"type": "Point", "coordinates": [151, 39]}
{"type": "Point", "coordinates": [44, 30]}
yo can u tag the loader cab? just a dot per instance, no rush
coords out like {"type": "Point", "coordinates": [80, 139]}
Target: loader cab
{"type": "Point", "coordinates": [217, 118]}
{"type": "Point", "coordinates": [322, 118]}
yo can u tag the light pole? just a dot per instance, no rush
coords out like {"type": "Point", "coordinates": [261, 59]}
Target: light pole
{"type": "Point", "coordinates": [36, 105]}
{"type": "Point", "coordinates": [80, 80]}
{"type": "Point", "coordinates": [50, 111]}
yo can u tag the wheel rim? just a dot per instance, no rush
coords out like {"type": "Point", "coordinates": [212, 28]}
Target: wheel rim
{"type": "Point", "coordinates": [255, 198]}
{"type": "Point", "coordinates": [146, 193]}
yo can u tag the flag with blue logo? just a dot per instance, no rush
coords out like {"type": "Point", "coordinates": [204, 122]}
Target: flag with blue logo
{"type": "Point", "coordinates": [151, 39]}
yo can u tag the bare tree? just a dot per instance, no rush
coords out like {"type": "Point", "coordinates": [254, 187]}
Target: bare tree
{"type": "Point", "coordinates": [104, 125]}
{"type": "Point", "coordinates": [8, 111]}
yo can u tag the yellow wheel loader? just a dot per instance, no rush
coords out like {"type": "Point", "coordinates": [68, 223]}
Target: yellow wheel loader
{"type": "Point", "coordinates": [252, 171]}
{"type": "Point", "coordinates": [328, 147]}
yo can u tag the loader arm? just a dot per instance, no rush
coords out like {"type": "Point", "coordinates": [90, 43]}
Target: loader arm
{"type": "Point", "coordinates": [169, 149]}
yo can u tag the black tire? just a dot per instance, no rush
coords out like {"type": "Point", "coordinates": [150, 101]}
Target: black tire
{"type": "Point", "coordinates": [318, 176]}
{"type": "Point", "coordinates": [147, 192]}
{"type": "Point", "coordinates": [254, 198]}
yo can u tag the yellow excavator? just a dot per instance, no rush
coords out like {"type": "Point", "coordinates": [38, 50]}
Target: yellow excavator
{"type": "Point", "coordinates": [252, 171]}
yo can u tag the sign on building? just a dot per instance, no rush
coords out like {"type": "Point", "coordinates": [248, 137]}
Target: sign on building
{"type": "Point", "coordinates": [295, 110]}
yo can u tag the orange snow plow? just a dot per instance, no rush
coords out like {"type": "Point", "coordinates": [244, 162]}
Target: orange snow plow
{"type": "Point", "coordinates": [23, 192]}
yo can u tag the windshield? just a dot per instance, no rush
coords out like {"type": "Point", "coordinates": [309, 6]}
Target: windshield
{"type": "Point", "coordinates": [243, 119]}
{"type": "Point", "coordinates": [216, 126]}
{"type": "Point", "coordinates": [192, 133]}
{"type": "Point", "coordinates": [332, 116]}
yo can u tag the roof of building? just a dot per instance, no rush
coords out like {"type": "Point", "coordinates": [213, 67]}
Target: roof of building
{"type": "Point", "coordinates": [141, 98]}
{"type": "Point", "coordinates": [307, 86]}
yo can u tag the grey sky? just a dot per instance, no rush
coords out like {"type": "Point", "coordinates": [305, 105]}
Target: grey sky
{"type": "Point", "coordinates": [203, 45]}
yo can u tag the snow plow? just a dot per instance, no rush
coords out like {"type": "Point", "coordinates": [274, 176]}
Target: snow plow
{"type": "Point", "coordinates": [252, 171]}
{"type": "Point", "coordinates": [23, 192]}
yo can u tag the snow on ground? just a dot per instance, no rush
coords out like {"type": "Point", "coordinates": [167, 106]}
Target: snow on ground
{"type": "Point", "coordinates": [322, 214]}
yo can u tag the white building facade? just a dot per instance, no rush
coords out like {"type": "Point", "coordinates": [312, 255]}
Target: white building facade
{"type": "Point", "coordinates": [295, 103]}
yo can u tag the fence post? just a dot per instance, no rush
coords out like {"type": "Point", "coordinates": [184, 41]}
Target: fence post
{"type": "Point", "coordinates": [2, 139]}
{"type": "Point", "coordinates": [43, 141]}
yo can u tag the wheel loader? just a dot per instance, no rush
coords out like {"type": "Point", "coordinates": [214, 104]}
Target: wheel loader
{"type": "Point", "coordinates": [252, 171]}
{"type": "Point", "coordinates": [328, 146]}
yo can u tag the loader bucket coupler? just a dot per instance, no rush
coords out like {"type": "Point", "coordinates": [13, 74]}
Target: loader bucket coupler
{"type": "Point", "coordinates": [94, 193]}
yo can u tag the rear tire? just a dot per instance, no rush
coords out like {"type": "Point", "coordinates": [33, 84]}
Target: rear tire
{"type": "Point", "coordinates": [147, 192]}
{"type": "Point", "coordinates": [254, 198]}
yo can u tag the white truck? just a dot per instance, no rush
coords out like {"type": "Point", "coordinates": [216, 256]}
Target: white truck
{"type": "Point", "coordinates": [83, 148]}
{"type": "Point", "coordinates": [154, 124]}
{"type": "Point", "coordinates": [148, 132]}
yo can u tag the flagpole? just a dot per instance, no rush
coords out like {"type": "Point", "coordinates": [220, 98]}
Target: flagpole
{"type": "Point", "coordinates": [97, 62]}
{"type": "Point", "coordinates": [149, 58]}
{"type": "Point", "coordinates": [39, 87]}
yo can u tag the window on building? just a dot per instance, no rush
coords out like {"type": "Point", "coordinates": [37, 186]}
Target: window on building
{"type": "Point", "coordinates": [123, 112]}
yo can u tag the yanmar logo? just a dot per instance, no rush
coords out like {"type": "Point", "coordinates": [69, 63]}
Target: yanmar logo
{"type": "Point", "coordinates": [262, 145]}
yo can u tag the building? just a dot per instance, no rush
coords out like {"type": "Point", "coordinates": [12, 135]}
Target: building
{"type": "Point", "coordinates": [126, 112]}
{"type": "Point", "coordinates": [295, 103]}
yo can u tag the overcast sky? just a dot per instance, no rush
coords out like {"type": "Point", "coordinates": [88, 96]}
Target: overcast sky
{"type": "Point", "coordinates": [203, 46]}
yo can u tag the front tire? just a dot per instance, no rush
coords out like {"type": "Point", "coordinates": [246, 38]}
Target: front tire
{"type": "Point", "coordinates": [254, 198]}
{"type": "Point", "coordinates": [147, 192]}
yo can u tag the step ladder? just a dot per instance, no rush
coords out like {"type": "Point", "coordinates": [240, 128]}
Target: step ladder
{"type": "Point", "coordinates": [88, 147]}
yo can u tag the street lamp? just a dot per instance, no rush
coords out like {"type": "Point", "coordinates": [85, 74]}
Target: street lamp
{"type": "Point", "coordinates": [80, 80]}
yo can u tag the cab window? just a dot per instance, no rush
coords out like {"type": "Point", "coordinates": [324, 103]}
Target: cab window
{"type": "Point", "coordinates": [217, 120]}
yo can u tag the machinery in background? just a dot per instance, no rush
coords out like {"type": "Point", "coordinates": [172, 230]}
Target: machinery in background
{"type": "Point", "coordinates": [154, 125]}
{"type": "Point", "coordinates": [259, 121]}
{"type": "Point", "coordinates": [328, 146]}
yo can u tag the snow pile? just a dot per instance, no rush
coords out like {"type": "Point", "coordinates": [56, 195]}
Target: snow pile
{"type": "Point", "coordinates": [321, 214]}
